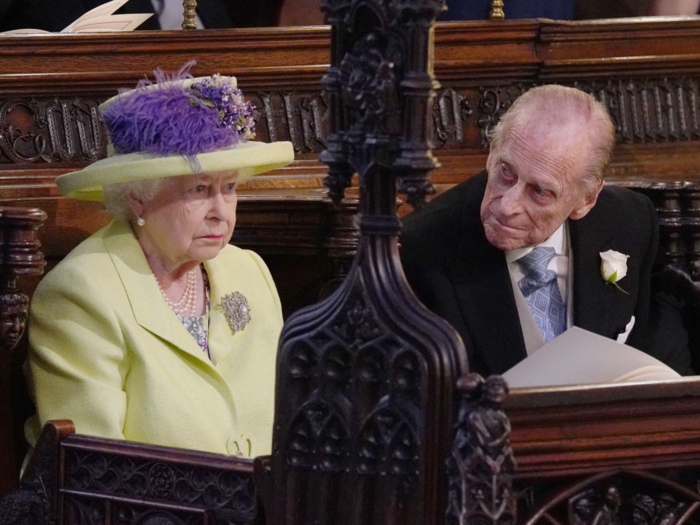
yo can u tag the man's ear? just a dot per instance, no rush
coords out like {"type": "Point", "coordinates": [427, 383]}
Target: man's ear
{"type": "Point", "coordinates": [586, 204]}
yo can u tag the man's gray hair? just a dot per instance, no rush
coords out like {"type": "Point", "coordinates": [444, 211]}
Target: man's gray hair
{"type": "Point", "coordinates": [116, 196]}
{"type": "Point", "coordinates": [552, 97]}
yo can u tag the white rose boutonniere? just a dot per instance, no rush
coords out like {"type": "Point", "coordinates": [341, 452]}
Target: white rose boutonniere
{"type": "Point", "coordinates": [613, 267]}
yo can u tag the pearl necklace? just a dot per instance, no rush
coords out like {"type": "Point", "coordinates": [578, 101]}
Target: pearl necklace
{"type": "Point", "coordinates": [187, 305]}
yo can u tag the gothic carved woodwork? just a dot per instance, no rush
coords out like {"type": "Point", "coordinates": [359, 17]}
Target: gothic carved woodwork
{"type": "Point", "coordinates": [19, 256]}
{"type": "Point", "coordinates": [494, 102]}
{"type": "Point", "coordinates": [80, 480]}
{"type": "Point", "coordinates": [35, 501]}
{"type": "Point", "coordinates": [450, 112]}
{"type": "Point", "coordinates": [365, 379]}
{"type": "Point", "coordinates": [658, 110]}
{"type": "Point", "coordinates": [647, 71]}
{"type": "Point", "coordinates": [298, 117]}
{"type": "Point", "coordinates": [482, 464]}
{"type": "Point", "coordinates": [678, 257]}
{"type": "Point", "coordinates": [663, 109]}
{"type": "Point", "coordinates": [617, 497]}
{"type": "Point", "coordinates": [49, 130]}
{"type": "Point", "coordinates": [644, 110]}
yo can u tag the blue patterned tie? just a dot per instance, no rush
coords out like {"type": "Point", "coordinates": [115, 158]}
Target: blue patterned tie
{"type": "Point", "coordinates": [541, 291]}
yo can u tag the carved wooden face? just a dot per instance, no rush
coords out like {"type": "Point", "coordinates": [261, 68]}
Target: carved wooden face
{"type": "Point", "coordinates": [13, 320]}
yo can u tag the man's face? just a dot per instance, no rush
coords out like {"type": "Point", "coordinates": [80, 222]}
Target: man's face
{"type": "Point", "coordinates": [534, 185]}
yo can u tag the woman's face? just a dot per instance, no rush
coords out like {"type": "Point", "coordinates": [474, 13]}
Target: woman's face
{"type": "Point", "coordinates": [190, 219]}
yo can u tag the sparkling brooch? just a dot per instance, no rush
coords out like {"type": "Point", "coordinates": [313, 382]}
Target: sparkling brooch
{"type": "Point", "coordinates": [236, 310]}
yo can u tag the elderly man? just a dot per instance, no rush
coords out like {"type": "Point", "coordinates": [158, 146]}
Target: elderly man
{"type": "Point", "coordinates": [512, 256]}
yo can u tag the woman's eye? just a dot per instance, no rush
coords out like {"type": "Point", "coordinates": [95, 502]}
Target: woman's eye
{"type": "Point", "coordinates": [230, 187]}
{"type": "Point", "coordinates": [200, 188]}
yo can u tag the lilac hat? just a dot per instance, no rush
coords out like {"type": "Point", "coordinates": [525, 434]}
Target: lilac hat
{"type": "Point", "coordinates": [177, 126]}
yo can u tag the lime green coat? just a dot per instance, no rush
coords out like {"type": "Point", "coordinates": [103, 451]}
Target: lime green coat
{"type": "Point", "coordinates": [109, 354]}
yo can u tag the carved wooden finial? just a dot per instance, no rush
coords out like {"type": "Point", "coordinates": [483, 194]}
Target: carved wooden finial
{"type": "Point", "coordinates": [497, 12]}
{"type": "Point", "coordinates": [189, 22]}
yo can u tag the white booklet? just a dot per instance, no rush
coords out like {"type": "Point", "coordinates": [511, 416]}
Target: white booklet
{"type": "Point", "coordinates": [579, 357]}
{"type": "Point", "coordinates": [97, 20]}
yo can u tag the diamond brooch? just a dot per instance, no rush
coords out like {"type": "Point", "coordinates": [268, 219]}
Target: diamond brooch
{"type": "Point", "coordinates": [236, 311]}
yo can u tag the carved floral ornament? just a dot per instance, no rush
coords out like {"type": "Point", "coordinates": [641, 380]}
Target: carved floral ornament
{"type": "Point", "coordinates": [369, 85]}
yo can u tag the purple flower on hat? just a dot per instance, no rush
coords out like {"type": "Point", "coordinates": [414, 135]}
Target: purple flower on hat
{"type": "Point", "coordinates": [167, 117]}
{"type": "Point", "coordinates": [234, 112]}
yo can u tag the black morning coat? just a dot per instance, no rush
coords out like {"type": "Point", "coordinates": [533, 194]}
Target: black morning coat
{"type": "Point", "coordinates": [460, 276]}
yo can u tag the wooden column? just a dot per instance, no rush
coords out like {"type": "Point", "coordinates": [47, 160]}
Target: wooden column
{"type": "Point", "coordinates": [19, 255]}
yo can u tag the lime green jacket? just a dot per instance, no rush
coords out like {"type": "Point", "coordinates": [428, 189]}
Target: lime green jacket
{"type": "Point", "coordinates": [107, 352]}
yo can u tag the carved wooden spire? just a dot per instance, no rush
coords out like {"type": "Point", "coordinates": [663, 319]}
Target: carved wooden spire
{"type": "Point", "coordinates": [365, 400]}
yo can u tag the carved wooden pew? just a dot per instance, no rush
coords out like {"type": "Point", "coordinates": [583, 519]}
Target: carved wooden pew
{"type": "Point", "coordinates": [607, 453]}
{"type": "Point", "coordinates": [74, 479]}
{"type": "Point", "coordinates": [646, 72]}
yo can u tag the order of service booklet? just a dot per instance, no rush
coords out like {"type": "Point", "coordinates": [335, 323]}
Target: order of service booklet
{"type": "Point", "coordinates": [97, 20]}
{"type": "Point", "coordinates": [579, 357]}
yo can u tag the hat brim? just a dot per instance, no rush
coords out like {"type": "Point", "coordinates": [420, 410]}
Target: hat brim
{"type": "Point", "coordinates": [247, 158]}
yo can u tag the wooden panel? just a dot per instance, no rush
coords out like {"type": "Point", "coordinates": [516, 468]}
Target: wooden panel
{"type": "Point", "coordinates": [579, 443]}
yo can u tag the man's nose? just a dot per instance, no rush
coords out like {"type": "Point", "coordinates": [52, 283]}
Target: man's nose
{"type": "Point", "coordinates": [511, 201]}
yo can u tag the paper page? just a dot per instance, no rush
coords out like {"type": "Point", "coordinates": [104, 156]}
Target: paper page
{"type": "Point", "coordinates": [648, 373]}
{"type": "Point", "coordinates": [105, 9]}
{"type": "Point", "coordinates": [27, 31]}
{"type": "Point", "coordinates": [111, 23]}
{"type": "Point", "coordinates": [578, 357]}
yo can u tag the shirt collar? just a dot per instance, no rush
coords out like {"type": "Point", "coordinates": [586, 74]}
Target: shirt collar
{"type": "Point", "coordinates": [557, 241]}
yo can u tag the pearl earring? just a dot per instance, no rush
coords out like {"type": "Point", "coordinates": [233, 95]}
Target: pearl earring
{"type": "Point", "coordinates": [140, 221]}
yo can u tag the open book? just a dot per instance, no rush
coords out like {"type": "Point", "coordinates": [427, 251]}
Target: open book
{"type": "Point", "coordinates": [99, 19]}
{"type": "Point", "coordinates": [578, 356]}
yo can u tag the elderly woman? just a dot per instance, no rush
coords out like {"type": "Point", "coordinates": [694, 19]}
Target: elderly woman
{"type": "Point", "coordinates": [156, 329]}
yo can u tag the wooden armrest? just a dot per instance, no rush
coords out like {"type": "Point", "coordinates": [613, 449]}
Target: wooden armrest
{"type": "Point", "coordinates": [72, 475]}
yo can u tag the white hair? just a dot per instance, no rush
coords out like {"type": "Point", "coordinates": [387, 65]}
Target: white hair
{"type": "Point", "coordinates": [544, 99]}
{"type": "Point", "coordinates": [116, 196]}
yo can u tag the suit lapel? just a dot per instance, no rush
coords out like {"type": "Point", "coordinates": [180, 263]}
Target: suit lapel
{"type": "Point", "coordinates": [594, 299]}
{"type": "Point", "coordinates": [219, 330]}
{"type": "Point", "coordinates": [149, 310]}
{"type": "Point", "coordinates": [482, 285]}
